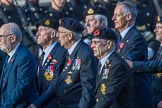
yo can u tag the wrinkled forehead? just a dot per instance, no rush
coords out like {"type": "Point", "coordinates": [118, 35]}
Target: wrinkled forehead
{"type": "Point", "coordinates": [4, 30]}
{"type": "Point", "coordinates": [159, 24]}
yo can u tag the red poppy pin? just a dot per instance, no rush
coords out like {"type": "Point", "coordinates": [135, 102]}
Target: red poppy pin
{"type": "Point", "coordinates": [122, 45]}
{"type": "Point", "coordinates": [96, 32]}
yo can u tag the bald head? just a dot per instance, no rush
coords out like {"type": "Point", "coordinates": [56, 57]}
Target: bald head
{"type": "Point", "coordinates": [10, 36]}
{"type": "Point", "coordinates": [11, 28]}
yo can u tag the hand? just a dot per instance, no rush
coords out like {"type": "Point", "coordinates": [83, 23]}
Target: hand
{"type": "Point", "coordinates": [129, 63]}
{"type": "Point", "coordinates": [32, 106]}
{"type": "Point", "coordinates": [159, 104]}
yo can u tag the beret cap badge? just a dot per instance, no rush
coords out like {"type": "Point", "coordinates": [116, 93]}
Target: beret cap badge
{"type": "Point", "coordinates": [158, 19]}
{"type": "Point", "coordinates": [90, 11]}
{"type": "Point", "coordinates": [96, 32]}
{"type": "Point", "coordinates": [47, 22]}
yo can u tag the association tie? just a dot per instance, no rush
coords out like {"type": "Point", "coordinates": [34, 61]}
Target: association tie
{"type": "Point", "coordinates": [159, 54]}
{"type": "Point", "coordinates": [98, 70]}
{"type": "Point", "coordinates": [40, 61]}
{"type": "Point", "coordinates": [158, 59]}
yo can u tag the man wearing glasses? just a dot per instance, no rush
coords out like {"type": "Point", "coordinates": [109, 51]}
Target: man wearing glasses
{"type": "Point", "coordinates": [76, 84]}
{"type": "Point", "coordinates": [16, 86]}
{"type": "Point", "coordinates": [114, 80]}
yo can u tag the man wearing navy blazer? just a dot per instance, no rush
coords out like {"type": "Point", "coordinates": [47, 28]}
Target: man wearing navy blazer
{"type": "Point", "coordinates": [76, 84]}
{"type": "Point", "coordinates": [2, 60]}
{"type": "Point", "coordinates": [133, 47]}
{"type": "Point", "coordinates": [52, 63]}
{"type": "Point", "coordinates": [17, 89]}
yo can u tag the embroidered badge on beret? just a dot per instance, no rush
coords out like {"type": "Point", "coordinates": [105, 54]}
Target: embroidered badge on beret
{"type": "Point", "coordinates": [158, 19]}
{"type": "Point", "coordinates": [90, 11]}
{"type": "Point", "coordinates": [47, 22]}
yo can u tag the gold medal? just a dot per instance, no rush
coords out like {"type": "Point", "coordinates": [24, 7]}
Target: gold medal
{"type": "Point", "coordinates": [68, 79]}
{"type": "Point", "coordinates": [103, 88]}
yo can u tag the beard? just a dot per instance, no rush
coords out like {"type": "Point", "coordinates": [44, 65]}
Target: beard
{"type": "Point", "coordinates": [6, 47]}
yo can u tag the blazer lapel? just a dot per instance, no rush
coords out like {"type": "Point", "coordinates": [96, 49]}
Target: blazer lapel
{"type": "Point", "coordinates": [50, 56]}
{"type": "Point", "coordinates": [9, 67]}
{"type": "Point", "coordinates": [68, 68]}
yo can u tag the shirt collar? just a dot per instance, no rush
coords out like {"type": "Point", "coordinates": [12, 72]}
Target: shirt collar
{"type": "Point", "coordinates": [103, 60]}
{"type": "Point", "coordinates": [123, 33]}
{"type": "Point", "coordinates": [73, 47]}
{"type": "Point", "coordinates": [13, 51]}
{"type": "Point", "coordinates": [48, 50]}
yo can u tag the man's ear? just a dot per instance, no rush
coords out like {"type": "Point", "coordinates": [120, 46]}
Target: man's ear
{"type": "Point", "coordinates": [53, 34]}
{"type": "Point", "coordinates": [13, 38]}
{"type": "Point", "coordinates": [70, 35]}
{"type": "Point", "coordinates": [128, 17]}
{"type": "Point", "coordinates": [109, 44]}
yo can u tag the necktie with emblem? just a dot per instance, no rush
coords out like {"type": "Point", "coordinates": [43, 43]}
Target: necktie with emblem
{"type": "Point", "coordinates": [40, 61]}
{"type": "Point", "coordinates": [159, 58]}
{"type": "Point", "coordinates": [98, 70]}
{"type": "Point", "coordinates": [159, 54]}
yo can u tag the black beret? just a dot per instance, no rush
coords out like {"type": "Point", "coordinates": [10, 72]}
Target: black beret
{"type": "Point", "coordinates": [104, 33]}
{"type": "Point", "coordinates": [47, 22]}
{"type": "Point", "coordinates": [159, 19]}
{"type": "Point", "coordinates": [95, 11]}
{"type": "Point", "coordinates": [71, 24]}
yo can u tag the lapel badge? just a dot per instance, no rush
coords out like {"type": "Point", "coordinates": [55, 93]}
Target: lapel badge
{"type": "Point", "coordinates": [103, 89]}
{"type": "Point", "coordinates": [12, 59]}
{"type": "Point", "coordinates": [49, 75]}
{"type": "Point", "coordinates": [68, 80]}
{"type": "Point", "coordinates": [122, 45]}
{"type": "Point", "coordinates": [70, 61]}
{"type": "Point", "coordinates": [76, 64]}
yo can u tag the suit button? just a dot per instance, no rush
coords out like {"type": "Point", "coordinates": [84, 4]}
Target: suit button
{"type": "Point", "coordinates": [122, 57]}
{"type": "Point", "coordinates": [64, 91]}
{"type": "Point", "coordinates": [97, 100]}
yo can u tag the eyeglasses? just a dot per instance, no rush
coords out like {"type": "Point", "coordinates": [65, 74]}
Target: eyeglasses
{"type": "Point", "coordinates": [59, 33]}
{"type": "Point", "coordinates": [6, 35]}
{"type": "Point", "coordinates": [97, 42]}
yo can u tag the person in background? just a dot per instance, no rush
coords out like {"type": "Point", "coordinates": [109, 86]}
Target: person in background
{"type": "Point", "coordinates": [94, 17]}
{"type": "Point", "coordinates": [114, 86]}
{"type": "Point", "coordinates": [17, 88]}
{"type": "Point", "coordinates": [133, 46]}
{"type": "Point", "coordinates": [153, 66]}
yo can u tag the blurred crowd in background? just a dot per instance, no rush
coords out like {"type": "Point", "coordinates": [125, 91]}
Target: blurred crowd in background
{"type": "Point", "coordinates": [28, 13]}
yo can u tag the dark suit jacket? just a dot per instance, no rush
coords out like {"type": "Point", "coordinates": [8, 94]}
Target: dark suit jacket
{"type": "Point", "coordinates": [114, 86]}
{"type": "Point", "coordinates": [152, 67]}
{"type": "Point", "coordinates": [134, 48]}
{"type": "Point", "coordinates": [58, 54]}
{"type": "Point", "coordinates": [76, 84]}
{"type": "Point", "coordinates": [17, 87]}
{"type": "Point", "coordinates": [2, 60]}
{"type": "Point", "coordinates": [147, 66]}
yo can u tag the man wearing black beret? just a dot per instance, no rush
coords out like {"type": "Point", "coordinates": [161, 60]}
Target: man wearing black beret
{"type": "Point", "coordinates": [76, 84]}
{"type": "Point", "coordinates": [50, 63]}
{"type": "Point", "coordinates": [94, 17]}
{"type": "Point", "coordinates": [114, 79]}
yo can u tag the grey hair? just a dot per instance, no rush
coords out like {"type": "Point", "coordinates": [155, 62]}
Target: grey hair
{"type": "Point", "coordinates": [16, 30]}
{"type": "Point", "coordinates": [129, 8]}
{"type": "Point", "coordinates": [102, 17]}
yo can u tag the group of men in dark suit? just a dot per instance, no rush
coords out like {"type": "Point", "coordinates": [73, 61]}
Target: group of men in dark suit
{"type": "Point", "coordinates": [70, 74]}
